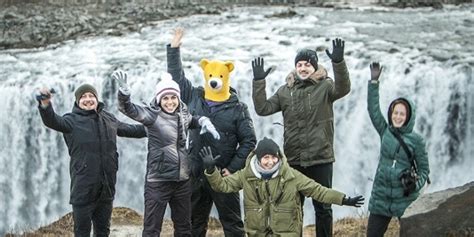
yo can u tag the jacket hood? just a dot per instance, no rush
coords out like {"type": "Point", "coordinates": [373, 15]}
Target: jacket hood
{"type": "Point", "coordinates": [408, 126]}
{"type": "Point", "coordinates": [317, 76]}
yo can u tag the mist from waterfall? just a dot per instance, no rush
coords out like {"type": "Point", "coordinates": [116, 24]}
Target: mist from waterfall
{"type": "Point", "coordinates": [427, 56]}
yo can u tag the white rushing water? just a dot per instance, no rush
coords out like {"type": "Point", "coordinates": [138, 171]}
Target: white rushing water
{"type": "Point", "coordinates": [427, 56]}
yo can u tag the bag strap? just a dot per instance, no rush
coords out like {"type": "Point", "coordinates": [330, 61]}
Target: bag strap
{"type": "Point", "coordinates": [407, 151]}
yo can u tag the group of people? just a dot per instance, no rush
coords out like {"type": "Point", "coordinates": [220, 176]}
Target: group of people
{"type": "Point", "coordinates": [202, 150]}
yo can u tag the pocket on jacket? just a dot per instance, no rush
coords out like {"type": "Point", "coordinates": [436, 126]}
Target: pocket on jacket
{"type": "Point", "coordinates": [80, 164]}
{"type": "Point", "coordinates": [285, 219]}
{"type": "Point", "coordinates": [255, 218]}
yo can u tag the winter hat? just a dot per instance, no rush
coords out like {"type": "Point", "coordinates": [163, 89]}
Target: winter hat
{"type": "Point", "coordinates": [83, 89]}
{"type": "Point", "coordinates": [307, 55]}
{"type": "Point", "coordinates": [166, 86]}
{"type": "Point", "coordinates": [266, 147]}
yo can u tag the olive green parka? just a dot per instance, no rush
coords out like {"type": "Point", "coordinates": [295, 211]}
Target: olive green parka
{"type": "Point", "coordinates": [272, 207]}
{"type": "Point", "coordinates": [307, 109]}
{"type": "Point", "coordinates": [387, 192]}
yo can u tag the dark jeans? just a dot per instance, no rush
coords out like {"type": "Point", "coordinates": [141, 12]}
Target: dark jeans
{"type": "Point", "coordinates": [96, 213]}
{"type": "Point", "coordinates": [157, 195]}
{"type": "Point", "coordinates": [377, 225]}
{"type": "Point", "coordinates": [228, 208]}
{"type": "Point", "coordinates": [323, 175]}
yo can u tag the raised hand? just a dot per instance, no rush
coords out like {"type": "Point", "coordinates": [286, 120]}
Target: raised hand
{"type": "Point", "coordinates": [208, 160]}
{"type": "Point", "coordinates": [44, 96]}
{"type": "Point", "coordinates": [375, 70]}
{"type": "Point", "coordinates": [207, 126]}
{"type": "Point", "coordinates": [355, 201]}
{"type": "Point", "coordinates": [177, 36]}
{"type": "Point", "coordinates": [259, 72]}
{"type": "Point", "coordinates": [121, 78]}
{"type": "Point", "coordinates": [337, 54]}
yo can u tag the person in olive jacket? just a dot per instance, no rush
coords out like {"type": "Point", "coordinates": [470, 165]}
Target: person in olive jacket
{"type": "Point", "coordinates": [234, 124]}
{"type": "Point", "coordinates": [389, 197]}
{"type": "Point", "coordinates": [306, 102]}
{"type": "Point", "coordinates": [90, 134]}
{"type": "Point", "coordinates": [272, 190]}
{"type": "Point", "coordinates": [168, 121]}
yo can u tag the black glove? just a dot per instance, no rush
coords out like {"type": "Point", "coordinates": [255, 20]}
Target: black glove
{"type": "Point", "coordinates": [355, 201]}
{"type": "Point", "coordinates": [208, 160]}
{"type": "Point", "coordinates": [258, 72]}
{"type": "Point", "coordinates": [42, 96]}
{"type": "Point", "coordinates": [337, 54]}
{"type": "Point", "coordinates": [375, 71]}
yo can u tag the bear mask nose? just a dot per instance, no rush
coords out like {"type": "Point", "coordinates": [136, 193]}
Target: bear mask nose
{"type": "Point", "coordinates": [213, 84]}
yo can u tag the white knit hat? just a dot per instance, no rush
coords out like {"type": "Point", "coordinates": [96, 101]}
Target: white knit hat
{"type": "Point", "coordinates": [166, 86]}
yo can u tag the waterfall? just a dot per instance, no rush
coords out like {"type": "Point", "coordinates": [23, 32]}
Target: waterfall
{"type": "Point", "coordinates": [427, 56]}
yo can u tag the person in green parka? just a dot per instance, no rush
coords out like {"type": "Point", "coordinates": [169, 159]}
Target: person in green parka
{"type": "Point", "coordinates": [389, 196]}
{"type": "Point", "coordinates": [272, 191]}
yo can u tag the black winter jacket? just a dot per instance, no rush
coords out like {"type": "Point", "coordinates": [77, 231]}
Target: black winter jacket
{"type": "Point", "coordinates": [231, 119]}
{"type": "Point", "coordinates": [91, 140]}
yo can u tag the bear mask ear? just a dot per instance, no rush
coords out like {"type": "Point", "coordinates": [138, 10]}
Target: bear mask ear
{"type": "Point", "coordinates": [204, 63]}
{"type": "Point", "coordinates": [229, 65]}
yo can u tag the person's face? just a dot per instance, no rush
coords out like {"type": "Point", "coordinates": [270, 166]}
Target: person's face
{"type": "Point", "coordinates": [399, 115]}
{"type": "Point", "coordinates": [169, 103]}
{"type": "Point", "coordinates": [304, 69]}
{"type": "Point", "coordinates": [88, 101]}
{"type": "Point", "coordinates": [268, 161]}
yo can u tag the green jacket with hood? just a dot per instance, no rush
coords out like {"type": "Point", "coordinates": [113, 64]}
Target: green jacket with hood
{"type": "Point", "coordinates": [387, 193]}
{"type": "Point", "coordinates": [273, 205]}
{"type": "Point", "coordinates": [307, 109]}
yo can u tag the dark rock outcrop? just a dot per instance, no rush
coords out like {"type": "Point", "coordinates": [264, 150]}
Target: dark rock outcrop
{"type": "Point", "coordinates": [444, 213]}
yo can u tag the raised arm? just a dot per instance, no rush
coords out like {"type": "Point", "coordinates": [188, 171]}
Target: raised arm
{"type": "Point", "coordinates": [131, 110]}
{"type": "Point", "coordinates": [175, 67]}
{"type": "Point", "coordinates": [262, 106]}
{"type": "Point", "coordinates": [342, 83]}
{"type": "Point", "coordinates": [49, 117]}
{"type": "Point", "coordinates": [373, 104]}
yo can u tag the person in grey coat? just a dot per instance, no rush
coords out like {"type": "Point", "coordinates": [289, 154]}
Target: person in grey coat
{"type": "Point", "coordinates": [90, 134]}
{"type": "Point", "coordinates": [167, 120]}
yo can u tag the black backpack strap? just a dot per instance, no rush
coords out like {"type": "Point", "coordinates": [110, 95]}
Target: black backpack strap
{"type": "Point", "coordinates": [407, 151]}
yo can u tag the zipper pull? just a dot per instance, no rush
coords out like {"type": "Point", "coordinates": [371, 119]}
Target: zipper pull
{"type": "Point", "coordinates": [394, 162]}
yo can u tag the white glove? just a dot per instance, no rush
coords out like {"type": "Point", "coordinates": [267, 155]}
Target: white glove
{"type": "Point", "coordinates": [207, 126]}
{"type": "Point", "coordinates": [121, 79]}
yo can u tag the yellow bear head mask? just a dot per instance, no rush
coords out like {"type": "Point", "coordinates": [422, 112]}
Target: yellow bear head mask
{"type": "Point", "coordinates": [216, 74]}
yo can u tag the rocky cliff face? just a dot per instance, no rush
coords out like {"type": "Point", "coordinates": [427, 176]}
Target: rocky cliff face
{"type": "Point", "coordinates": [444, 213]}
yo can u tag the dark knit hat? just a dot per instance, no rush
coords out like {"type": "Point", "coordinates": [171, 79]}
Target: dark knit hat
{"type": "Point", "coordinates": [267, 147]}
{"type": "Point", "coordinates": [307, 55]}
{"type": "Point", "coordinates": [83, 89]}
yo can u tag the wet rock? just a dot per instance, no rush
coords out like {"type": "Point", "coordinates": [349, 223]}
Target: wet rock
{"type": "Point", "coordinates": [290, 12]}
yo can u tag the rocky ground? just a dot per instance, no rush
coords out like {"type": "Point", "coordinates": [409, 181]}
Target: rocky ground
{"type": "Point", "coordinates": [127, 222]}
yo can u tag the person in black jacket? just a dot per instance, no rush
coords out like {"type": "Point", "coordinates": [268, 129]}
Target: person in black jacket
{"type": "Point", "coordinates": [90, 134]}
{"type": "Point", "coordinates": [232, 120]}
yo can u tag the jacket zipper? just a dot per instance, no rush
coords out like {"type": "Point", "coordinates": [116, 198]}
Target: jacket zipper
{"type": "Point", "coordinates": [309, 100]}
{"type": "Point", "coordinates": [269, 219]}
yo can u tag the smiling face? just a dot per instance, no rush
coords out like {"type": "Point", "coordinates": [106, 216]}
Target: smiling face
{"type": "Point", "coordinates": [268, 161]}
{"type": "Point", "coordinates": [88, 101]}
{"type": "Point", "coordinates": [399, 115]}
{"type": "Point", "coordinates": [169, 103]}
{"type": "Point", "coordinates": [304, 69]}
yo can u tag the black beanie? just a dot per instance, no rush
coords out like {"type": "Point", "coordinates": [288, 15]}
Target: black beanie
{"type": "Point", "coordinates": [307, 55]}
{"type": "Point", "coordinates": [266, 147]}
{"type": "Point", "coordinates": [83, 89]}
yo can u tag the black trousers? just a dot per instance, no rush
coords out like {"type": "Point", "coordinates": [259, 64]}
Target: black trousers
{"type": "Point", "coordinates": [323, 175]}
{"type": "Point", "coordinates": [228, 208]}
{"type": "Point", "coordinates": [377, 225]}
{"type": "Point", "coordinates": [157, 195]}
{"type": "Point", "coordinates": [97, 214]}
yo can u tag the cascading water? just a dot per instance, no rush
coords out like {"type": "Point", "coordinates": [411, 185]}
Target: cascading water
{"type": "Point", "coordinates": [427, 56]}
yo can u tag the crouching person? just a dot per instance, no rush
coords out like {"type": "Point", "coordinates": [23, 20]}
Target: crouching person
{"type": "Point", "coordinates": [272, 191]}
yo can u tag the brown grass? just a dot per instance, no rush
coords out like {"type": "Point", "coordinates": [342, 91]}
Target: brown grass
{"type": "Point", "coordinates": [121, 216]}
